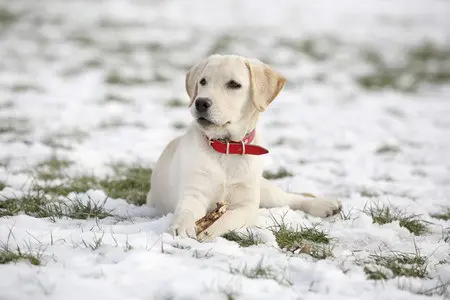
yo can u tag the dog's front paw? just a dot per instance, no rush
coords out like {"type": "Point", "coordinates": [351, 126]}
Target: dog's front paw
{"type": "Point", "coordinates": [207, 235]}
{"type": "Point", "coordinates": [323, 207]}
{"type": "Point", "coordinates": [183, 225]}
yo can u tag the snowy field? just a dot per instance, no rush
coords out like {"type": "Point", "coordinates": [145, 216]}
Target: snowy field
{"type": "Point", "coordinates": [92, 91]}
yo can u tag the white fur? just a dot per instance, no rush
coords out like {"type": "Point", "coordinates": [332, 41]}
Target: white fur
{"type": "Point", "coordinates": [190, 177]}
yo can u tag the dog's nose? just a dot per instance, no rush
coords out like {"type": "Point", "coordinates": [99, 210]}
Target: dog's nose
{"type": "Point", "coordinates": [202, 104]}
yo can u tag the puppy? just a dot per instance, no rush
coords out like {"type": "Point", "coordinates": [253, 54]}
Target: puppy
{"type": "Point", "coordinates": [220, 157]}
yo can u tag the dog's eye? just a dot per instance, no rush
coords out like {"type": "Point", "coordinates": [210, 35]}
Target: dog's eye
{"type": "Point", "coordinates": [233, 84]}
{"type": "Point", "coordinates": [203, 81]}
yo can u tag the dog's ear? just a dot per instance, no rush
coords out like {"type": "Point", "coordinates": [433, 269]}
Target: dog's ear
{"type": "Point", "coordinates": [192, 78]}
{"type": "Point", "coordinates": [265, 84]}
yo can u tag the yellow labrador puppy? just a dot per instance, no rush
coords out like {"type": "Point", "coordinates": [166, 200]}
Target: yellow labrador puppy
{"type": "Point", "coordinates": [220, 157]}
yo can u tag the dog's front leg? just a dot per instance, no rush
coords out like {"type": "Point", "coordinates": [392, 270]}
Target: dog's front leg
{"type": "Point", "coordinates": [192, 206]}
{"type": "Point", "coordinates": [241, 214]}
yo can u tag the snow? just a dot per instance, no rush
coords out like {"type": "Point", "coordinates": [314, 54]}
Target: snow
{"type": "Point", "coordinates": [325, 132]}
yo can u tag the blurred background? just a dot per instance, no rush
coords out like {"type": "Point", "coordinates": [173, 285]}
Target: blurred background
{"type": "Point", "coordinates": [365, 110]}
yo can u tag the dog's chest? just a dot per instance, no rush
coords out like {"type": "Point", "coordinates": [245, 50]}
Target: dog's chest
{"type": "Point", "coordinates": [239, 169]}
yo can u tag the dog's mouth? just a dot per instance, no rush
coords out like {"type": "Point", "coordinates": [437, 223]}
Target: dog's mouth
{"type": "Point", "coordinates": [205, 122]}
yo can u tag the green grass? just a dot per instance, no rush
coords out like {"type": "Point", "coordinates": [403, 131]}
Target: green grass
{"type": "Point", "coordinates": [8, 255]}
{"type": "Point", "coordinates": [222, 44]}
{"type": "Point", "coordinates": [387, 149]}
{"type": "Point", "coordinates": [424, 63]}
{"type": "Point", "coordinates": [396, 264]}
{"type": "Point", "coordinates": [114, 98]}
{"type": "Point", "coordinates": [114, 77]}
{"type": "Point", "coordinates": [2, 185]}
{"type": "Point", "coordinates": [131, 183]}
{"type": "Point", "coordinates": [7, 17]}
{"type": "Point", "coordinates": [52, 169]}
{"type": "Point", "coordinates": [179, 125]}
{"type": "Point", "coordinates": [95, 244]}
{"type": "Point", "coordinates": [364, 192]}
{"type": "Point", "coordinates": [308, 240]}
{"type": "Point", "coordinates": [446, 235]}
{"type": "Point", "coordinates": [65, 140]}
{"type": "Point", "coordinates": [176, 102]}
{"type": "Point", "coordinates": [34, 204]}
{"type": "Point", "coordinates": [78, 184]}
{"type": "Point", "coordinates": [6, 105]}
{"type": "Point", "coordinates": [440, 289]}
{"type": "Point", "coordinates": [12, 125]}
{"type": "Point", "coordinates": [117, 123]}
{"type": "Point", "coordinates": [260, 272]}
{"type": "Point", "coordinates": [23, 87]}
{"type": "Point", "coordinates": [445, 215]}
{"type": "Point", "coordinates": [77, 209]}
{"type": "Point", "coordinates": [318, 48]}
{"type": "Point", "coordinates": [384, 214]}
{"type": "Point", "coordinates": [37, 205]}
{"type": "Point", "coordinates": [280, 173]}
{"type": "Point", "coordinates": [243, 239]}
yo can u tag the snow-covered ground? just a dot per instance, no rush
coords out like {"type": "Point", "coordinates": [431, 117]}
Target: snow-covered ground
{"type": "Point", "coordinates": [92, 82]}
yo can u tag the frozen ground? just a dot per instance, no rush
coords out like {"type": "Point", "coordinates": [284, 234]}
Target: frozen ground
{"type": "Point", "coordinates": [365, 116]}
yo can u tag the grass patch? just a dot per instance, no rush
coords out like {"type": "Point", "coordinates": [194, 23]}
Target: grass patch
{"type": "Point", "coordinates": [260, 272]}
{"type": "Point", "coordinates": [312, 241]}
{"type": "Point", "coordinates": [2, 185]}
{"type": "Point", "coordinates": [396, 264]}
{"type": "Point", "coordinates": [114, 77]}
{"type": "Point", "coordinates": [77, 209]}
{"type": "Point", "coordinates": [6, 105]}
{"type": "Point", "coordinates": [445, 215]}
{"type": "Point", "coordinates": [79, 184]}
{"type": "Point", "coordinates": [179, 125]}
{"type": "Point", "coordinates": [65, 140]}
{"type": "Point", "coordinates": [426, 63]}
{"type": "Point", "coordinates": [23, 87]}
{"type": "Point", "coordinates": [52, 169]}
{"type": "Point", "coordinates": [95, 244]}
{"type": "Point", "coordinates": [116, 123]}
{"type": "Point", "coordinates": [8, 255]}
{"type": "Point", "coordinates": [280, 173]}
{"type": "Point", "coordinates": [7, 17]}
{"type": "Point", "coordinates": [37, 205]}
{"type": "Point", "coordinates": [222, 44]}
{"type": "Point", "coordinates": [318, 48]}
{"type": "Point", "coordinates": [364, 192]}
{"type": "Point", "coordinates": [12, 125]}
{"type": "Point", "coordinates": [33, 204]}
{"type": "Point", "coordinates": [388, 149]}
{"type": "Point", "coordinates": [243, 239]}
{"type": "Point", "coordinates": [446, 235]}
{"type": "Point", "coordinates": [383, 214]}
{"type": "Point", "coordinates": [175, 102]}
{"type": "Point", "coordinates": [114, 98]}
{"type": "Point", "coordinates": [130, 183]}
{"type": "Point", "coordinates": [440, 289]}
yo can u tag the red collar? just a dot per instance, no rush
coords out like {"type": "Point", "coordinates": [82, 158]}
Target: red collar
{"type": "Point", "coordinates": [242, 147]}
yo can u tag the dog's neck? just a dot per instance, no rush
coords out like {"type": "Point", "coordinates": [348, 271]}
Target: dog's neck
{"type": "Point", "coordinates": [237, 131]}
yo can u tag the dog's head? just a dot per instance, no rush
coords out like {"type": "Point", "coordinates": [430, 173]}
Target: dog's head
{"type": "Point", "coordinates": [227, 92]}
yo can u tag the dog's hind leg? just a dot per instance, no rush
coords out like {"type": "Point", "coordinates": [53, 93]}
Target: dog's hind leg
{"type": "Point", "coordinates": [273, 196]}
